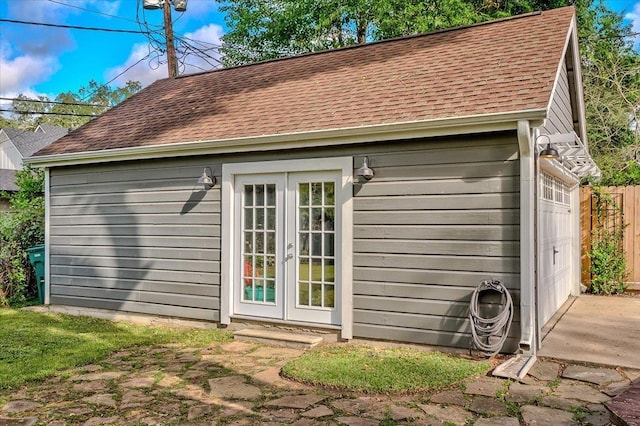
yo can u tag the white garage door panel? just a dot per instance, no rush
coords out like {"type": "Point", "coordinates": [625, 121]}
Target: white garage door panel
{"type": "Point", "coordinates": [555, 248]}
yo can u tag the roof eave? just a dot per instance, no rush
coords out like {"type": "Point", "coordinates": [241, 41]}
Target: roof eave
{"type": "Point", "coordinates": [330, 137]}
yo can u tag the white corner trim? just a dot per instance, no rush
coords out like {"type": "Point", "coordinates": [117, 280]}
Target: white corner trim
{"type": "Point", "coordinates": [47, 236]}
{"type": "Point", "coordinates": [331, 137]}
{"type": "Point", "coordinates": [345, 250]}
{"type": "Point", "coordinates": [226, 274]}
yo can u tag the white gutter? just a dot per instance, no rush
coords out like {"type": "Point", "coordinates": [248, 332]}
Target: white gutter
{"type": "Point", "coordinates": [527, 240]}
{"type": "Point", "coordinates": [381, 132]}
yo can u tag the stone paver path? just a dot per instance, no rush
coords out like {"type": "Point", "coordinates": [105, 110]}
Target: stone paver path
{"type": "Point", "coordinates": [238, 384]}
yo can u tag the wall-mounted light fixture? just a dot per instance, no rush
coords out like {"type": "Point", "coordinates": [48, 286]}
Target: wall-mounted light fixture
{"type": "Point", "coordinates": [549, 152]}
{"type": "Point", "coordinates": [206, 180]}
{"type": "Point", "coordinates": [365, 172]}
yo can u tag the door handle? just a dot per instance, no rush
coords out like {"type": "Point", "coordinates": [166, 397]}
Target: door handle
{"type": "Point", "coordinates": [289, 256]}
{"type": "Point", "coordinates": [555, 251]}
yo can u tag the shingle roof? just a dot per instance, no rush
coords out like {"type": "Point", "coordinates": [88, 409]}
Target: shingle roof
{"type": "Point", "coordinates": [499, 67]}
{"type": "Point", "coordinates": [28, 143]}
{"type": "Point", "coordinates": [8, 180]}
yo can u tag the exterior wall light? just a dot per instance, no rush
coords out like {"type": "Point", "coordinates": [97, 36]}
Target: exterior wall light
{"type": "Point", "coordinates": [205, 180]}
{"type": "Point", "coordinates": [549, 152]}
{"type": "Point", "coordinates": [364, 172]}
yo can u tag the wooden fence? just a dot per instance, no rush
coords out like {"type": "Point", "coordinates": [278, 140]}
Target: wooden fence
{"type": "Point", "coordinates": [627, 214]}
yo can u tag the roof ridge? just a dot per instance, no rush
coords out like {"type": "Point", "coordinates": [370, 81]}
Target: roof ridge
{"type": "Point", "coordinates": [373, 43]}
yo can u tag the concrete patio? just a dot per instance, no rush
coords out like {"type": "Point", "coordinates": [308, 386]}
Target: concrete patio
{"type": "Point", "coordinates": [597, 330]}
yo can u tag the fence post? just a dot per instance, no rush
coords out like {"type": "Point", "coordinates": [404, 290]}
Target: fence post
{"type": "Point", "coordinates": [585, 234]}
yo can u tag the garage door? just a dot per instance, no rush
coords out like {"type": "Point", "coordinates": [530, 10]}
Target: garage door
{"type": "Point", "coordinates": [554, 285]}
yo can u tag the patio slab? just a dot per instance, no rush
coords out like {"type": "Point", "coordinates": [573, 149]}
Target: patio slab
{"type": "Point", "coordinates": [598, 330]}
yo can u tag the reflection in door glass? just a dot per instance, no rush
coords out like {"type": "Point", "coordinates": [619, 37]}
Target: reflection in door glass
{"type": "Point", "coordinates": [316, 249]}
{"type": "Point", "coordinates": [259, 248]}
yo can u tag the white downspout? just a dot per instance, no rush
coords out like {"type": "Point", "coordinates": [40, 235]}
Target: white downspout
{"type": "Point", "coordinates": [528, 333]}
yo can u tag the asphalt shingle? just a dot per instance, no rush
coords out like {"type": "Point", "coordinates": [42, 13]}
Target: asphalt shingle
{"type": "Point", "coordinates": [498, 67]}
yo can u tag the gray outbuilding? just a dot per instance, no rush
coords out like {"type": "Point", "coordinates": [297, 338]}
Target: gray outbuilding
{"type": "Point", "coordinates": [238, 194]}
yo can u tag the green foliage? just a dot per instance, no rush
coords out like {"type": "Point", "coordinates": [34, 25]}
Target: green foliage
{"type": "Point", "coordinates": [611, 78]}
{"type": "Point", "coordinates": [91, 94]}
{"type": "Point", "coordinates": [608, 261]}
{"type": "Point", "coordinates": [21, 228]}
{"type": "Point", "coordinates": [381, 370]}
{"type": "Point", "coordinates": [34, 346]}
{"type": "Point", "coordinates": [267, 29]}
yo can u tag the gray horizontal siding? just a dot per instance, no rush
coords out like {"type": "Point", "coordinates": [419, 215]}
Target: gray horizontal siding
{"type": "Point", "coordinates": [137, 236]}
{"type": "Point", "coordinates": [207, 314]}
{"type": "Point", "coordinates": [440, 216]}
{"type": "Point", "coordinates": [560, 114]}
{"type": "Point", "coordinates": [428, 229]}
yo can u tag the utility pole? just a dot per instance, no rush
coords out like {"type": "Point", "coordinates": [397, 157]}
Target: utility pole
{"type": "Point", "coordinates": [172, 63]}
{"type": "Point", "coordinates": [179, 6]}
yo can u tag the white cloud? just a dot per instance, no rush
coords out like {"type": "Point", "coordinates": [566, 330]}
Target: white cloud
{"type": "Point", "coordinates": [139, 66]}
{"type": "Point", "coordinates": [200, 7]}
{"type": "Point", "coordinates": [202, 56]}
{"type": "Point", "coordinates": [109, 7]}
{"type": "Point", "coordinates": [20, 72]}
{"type": "Point", "coordinates": [634, 17]}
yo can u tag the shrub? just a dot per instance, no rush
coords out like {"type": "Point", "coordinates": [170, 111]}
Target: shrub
{"type": "Point", "coordinates": [608, 262]}
{"type": "Point", "coordinates": [21, 228]}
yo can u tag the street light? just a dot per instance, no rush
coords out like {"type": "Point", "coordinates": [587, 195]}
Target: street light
{"type": "Point", "coordinates": [179, 6]}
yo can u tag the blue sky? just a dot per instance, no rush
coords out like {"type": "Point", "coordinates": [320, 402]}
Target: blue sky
{"type": "Point", "coordinates": [40, 60]}
{"type": "Point", "coordinates": [37, 60]}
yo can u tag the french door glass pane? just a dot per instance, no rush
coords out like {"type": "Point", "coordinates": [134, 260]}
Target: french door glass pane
{"type": "Point", "coordinates": [259, 248]}
{"type": "Point", "coordinates": [316, 249]}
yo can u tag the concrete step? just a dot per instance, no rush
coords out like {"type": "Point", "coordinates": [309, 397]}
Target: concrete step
{"type": "Point", "coordinates": [278, 338]}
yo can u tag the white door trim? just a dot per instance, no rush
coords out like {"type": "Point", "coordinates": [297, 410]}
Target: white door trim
{"type": "Point", "coordinates": [344, 251]}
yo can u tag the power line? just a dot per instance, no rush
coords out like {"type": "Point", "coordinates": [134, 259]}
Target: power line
{"type": "Point", "coordinates": [114, 78]}
{"type": "Point", "coordinates": [46, 113]}
{"type": "Point", "coordinates": [92, 11]}
{"type": "Point", "coordinates": [75, 27]}
{"type": "Point", "coordinates": [55, 102]}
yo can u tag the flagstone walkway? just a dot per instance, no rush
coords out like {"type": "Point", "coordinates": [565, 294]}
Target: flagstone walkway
{"type": "Point", "coordinates": [238, 383]}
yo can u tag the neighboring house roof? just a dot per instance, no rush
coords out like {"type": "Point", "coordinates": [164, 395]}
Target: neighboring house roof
{"type": "Point", "coordinates": [8, 180]}
{"type": "Point", "coordinates": [28, 143]}
{"type": "Point", "coordinates": [500, 67]}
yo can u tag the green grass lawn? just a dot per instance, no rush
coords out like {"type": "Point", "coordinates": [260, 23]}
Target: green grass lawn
{"type": "Point", "coordinates": [381, 370]}
{"type": "Point", "coordinates": [34, 345]}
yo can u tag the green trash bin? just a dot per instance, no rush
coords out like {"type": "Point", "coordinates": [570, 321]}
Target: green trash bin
{"type": "Point", "coordinates": [36, 258]}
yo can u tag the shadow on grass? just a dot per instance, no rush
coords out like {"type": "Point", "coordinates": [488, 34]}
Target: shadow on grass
{"type": "Point", "coordinates": [34, 346]}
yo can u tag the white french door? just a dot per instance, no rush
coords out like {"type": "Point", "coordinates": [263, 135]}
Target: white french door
{"type": "Point", "coordinates": [285, 261]}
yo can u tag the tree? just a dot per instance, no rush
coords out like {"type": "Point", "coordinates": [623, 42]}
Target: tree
{"type": "Point", "coordinates": [611, 77]}
{"type": "Point", "coordinates": [20, 229]}
{"type": "Point", "coordinates": [267, 29]}
{"type": "Point", "coordinates": [93, 99]}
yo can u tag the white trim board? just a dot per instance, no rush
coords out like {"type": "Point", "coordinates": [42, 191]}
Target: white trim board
{"type": "Point", "coordinates": [317, 138]}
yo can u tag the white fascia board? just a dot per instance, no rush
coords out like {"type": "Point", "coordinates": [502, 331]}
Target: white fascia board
{"type": "Point", "coordinates": [381, 132]}
{"type": "Point", "coordinates": [562, 61]}
{"type": "Point", "coordinates": [572, 40]}
{"type": "Point", "coordinates": [555, 168]}
{"type": "Point", "coordinates": [577, 79]}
